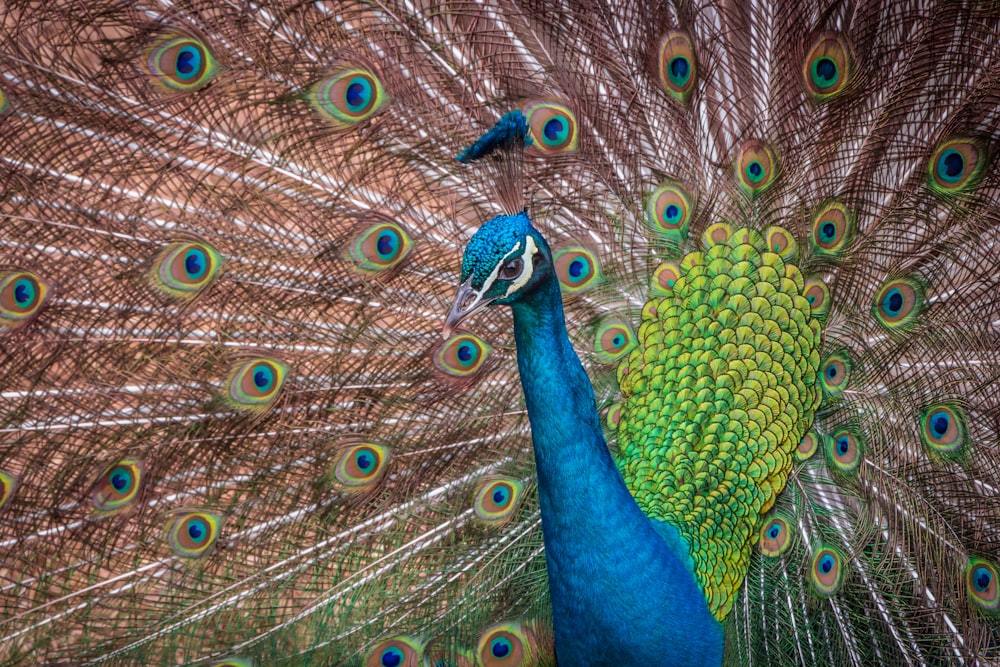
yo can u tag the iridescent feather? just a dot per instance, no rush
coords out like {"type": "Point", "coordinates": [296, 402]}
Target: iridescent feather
{"type": "Point", "coordinates": [232, 434]}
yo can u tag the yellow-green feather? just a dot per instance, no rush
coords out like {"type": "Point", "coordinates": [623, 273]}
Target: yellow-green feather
{"type": "Point", "coordinates": [717, 396]}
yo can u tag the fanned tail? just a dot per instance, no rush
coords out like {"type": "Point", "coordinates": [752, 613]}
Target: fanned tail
{"type": "Point", "coordinates": [229, 235]}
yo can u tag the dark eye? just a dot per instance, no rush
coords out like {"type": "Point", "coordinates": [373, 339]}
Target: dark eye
{"type": "Point", "coordinates": [512, 269]}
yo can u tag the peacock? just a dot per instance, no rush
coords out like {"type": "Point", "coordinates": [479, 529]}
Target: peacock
{"type": "Point", "coordinates": [499, 333]}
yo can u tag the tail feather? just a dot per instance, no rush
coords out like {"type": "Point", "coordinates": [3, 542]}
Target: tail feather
{"type": "Point", "coordinates": [107, 170]}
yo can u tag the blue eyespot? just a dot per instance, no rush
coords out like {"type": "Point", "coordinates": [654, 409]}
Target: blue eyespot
{"type": "Point", "coordinates": [120, 479]}
{"type": "Point", "coordinates": [672, 214]}
{"type": "Point", "coordinates": [554, 130]}
{"type": "Point", "coordinates": [679, 70]}
{"type": "Point", "coordinates": [892, 303]}
{"type": "Point", "coordinates": [577, 269]}
{"type": "Point", "coordinates": [391, 657]}
{"type": "Point", "coordinates": [387, 244]}
{"type": "Point", "coordinates": [774, 532]}
{"type": "Point", "coordinates": [500, 647]}
{"type": "Point", "coordinates": [982, 578]}
{"type": "Point", "coordinates": [461, 355]}
{"type": "Point", "coordinates": [676, 65]}
{"type": "Point", "coordinates": [497, 499]}
{"type": "Point", "coordinates": [466, 353]}
{"type": "Point", "coordinates": [826, 72]}
{"type": "Point", "coordinates": [940, 422]}
{"type": "Point", "coordinates": [826, 564]}
{"type": "Point", "coordinates": [263, 377]}
{"type": "Point", "coordinates": [358, 93]}
{"type": "Point", "coordinates": [195, 263]}
{"type": "Point", "coordinates": [197, 530]}
{"type": "Point", "coordinates": [24, 292]}
{"type": "Point", "coordinates": [843, 444]}
{"type": "Point", "coordinates": [951, 164]}
{"type": "Point", "coordinates": [188, 62]}
{"type": "Point", "coordinates": [551, 127]}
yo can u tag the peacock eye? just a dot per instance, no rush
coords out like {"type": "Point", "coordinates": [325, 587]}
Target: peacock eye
{"type": "Point", "coordinates": [512, 269]}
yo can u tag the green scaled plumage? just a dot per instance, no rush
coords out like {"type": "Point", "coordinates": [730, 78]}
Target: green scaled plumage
{"type": "Point", "coordinates": [726, 375]}
{"type": "Point", "coordinates": [230, 431]}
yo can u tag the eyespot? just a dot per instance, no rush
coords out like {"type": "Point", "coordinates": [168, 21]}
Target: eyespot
{"type": "Point", "coordinates": [362, 465]}
{"type": "Point", "coordinates": [717, 233]}
{"type": "Point", "coordinates": [807, 446]}
{"type": "Point", "coordinates": [22, 295]}
{"type": "Point", "coordinates": [347, 97]}
{"type": "Point", "coordinates": [956, 166]}
{"type": "Point", "coordinates": [756, 168]}
{"type": "Point", "coordinates": [827, 571]}
{"type": "Point", "coordinates": [781, 242]}
{"type": "Point", "coordinates": [577, 269]}
{"type": "Point", "coordinates": [613, 340]}
{"type": "Point", "coordinates": [677, 66]}
{"type": "Point", "coordinates": [942, 428]}
{"type": "Point", "coordinates": [668, 211]}
{"type": "Point", "coordinates": [665, 278]}
{"type": "Point", "coordinates": [254, 384]}
{"type": "Point", "coordinates": [506, 645]}
{"type": "Point", "coordinates": [396, 651]}
{"type": "Point", "coordinates": [462, 355]}
{"type": "Point", "coordinates": [844, 450]}
{"type": "Point", "coordinates": [380, 247]}
{"type": "Point", "coordinates": [192, 534]}
{"type": "Point", "coordinates": [835, 374]}
{"type": "Point", "coordinates": [981, 585]}
{"type": "Point", "coordinates": [827, 68]}
{"type": "Point", "coordinates": [613, 417]}
{"type": "Point", "coordinates": [552, 127]}
{"type": "Point", "coordinates": [899, 303]}
{"type": "Point", "coordinates": [118, 486]}
{"type": "Point", "coordinates": [497, 498]}
{"type": "Point", "coordinates": [8, 485]}
{"type": "Point", "coordinates": [818, 295]}
{"type": "Point", "coordinates": [183, 269]}
{"type": "Point", "coordinates": [833, 226]}
{"type": "Point", "coordinates": [775, 536]}
{"type": "Point", "coordinates": [181, 63]}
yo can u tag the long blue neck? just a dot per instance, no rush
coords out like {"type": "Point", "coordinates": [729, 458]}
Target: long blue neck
{"type": "Point", "coordinates": [621, 595]}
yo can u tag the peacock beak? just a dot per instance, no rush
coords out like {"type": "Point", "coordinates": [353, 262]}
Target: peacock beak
{"type": "Point", "coordinates": [467, 301]}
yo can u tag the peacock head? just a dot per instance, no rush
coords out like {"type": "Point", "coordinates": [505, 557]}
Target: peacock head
{"type": "Point", "coordinates": [505, 260]}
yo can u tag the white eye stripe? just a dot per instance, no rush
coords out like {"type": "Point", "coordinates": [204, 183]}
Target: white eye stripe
{"type": "Point", "coordinates": [529, 249]}
{"type": "Point", "coordinates": [527, 266]}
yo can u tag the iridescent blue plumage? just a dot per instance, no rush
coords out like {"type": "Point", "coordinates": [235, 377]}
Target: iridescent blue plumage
{"type": "Point", "coordinates": [510, 131]}
{"type": "Point", "coordinates": [622, 588]}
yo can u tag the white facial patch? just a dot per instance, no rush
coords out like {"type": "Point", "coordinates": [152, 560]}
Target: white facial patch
{"type": "Point", "coordinates": [529, 249]}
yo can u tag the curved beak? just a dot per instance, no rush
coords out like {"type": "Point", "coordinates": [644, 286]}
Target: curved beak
{"type": "Point", "coordinates": [466, 302]}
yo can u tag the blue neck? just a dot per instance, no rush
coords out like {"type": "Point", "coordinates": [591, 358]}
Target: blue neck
{"type": "Point", "coordinates": [621, 593]}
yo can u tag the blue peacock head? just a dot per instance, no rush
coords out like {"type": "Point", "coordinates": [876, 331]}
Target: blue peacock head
{"type": "Point", "coordinates": [505, 260]}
